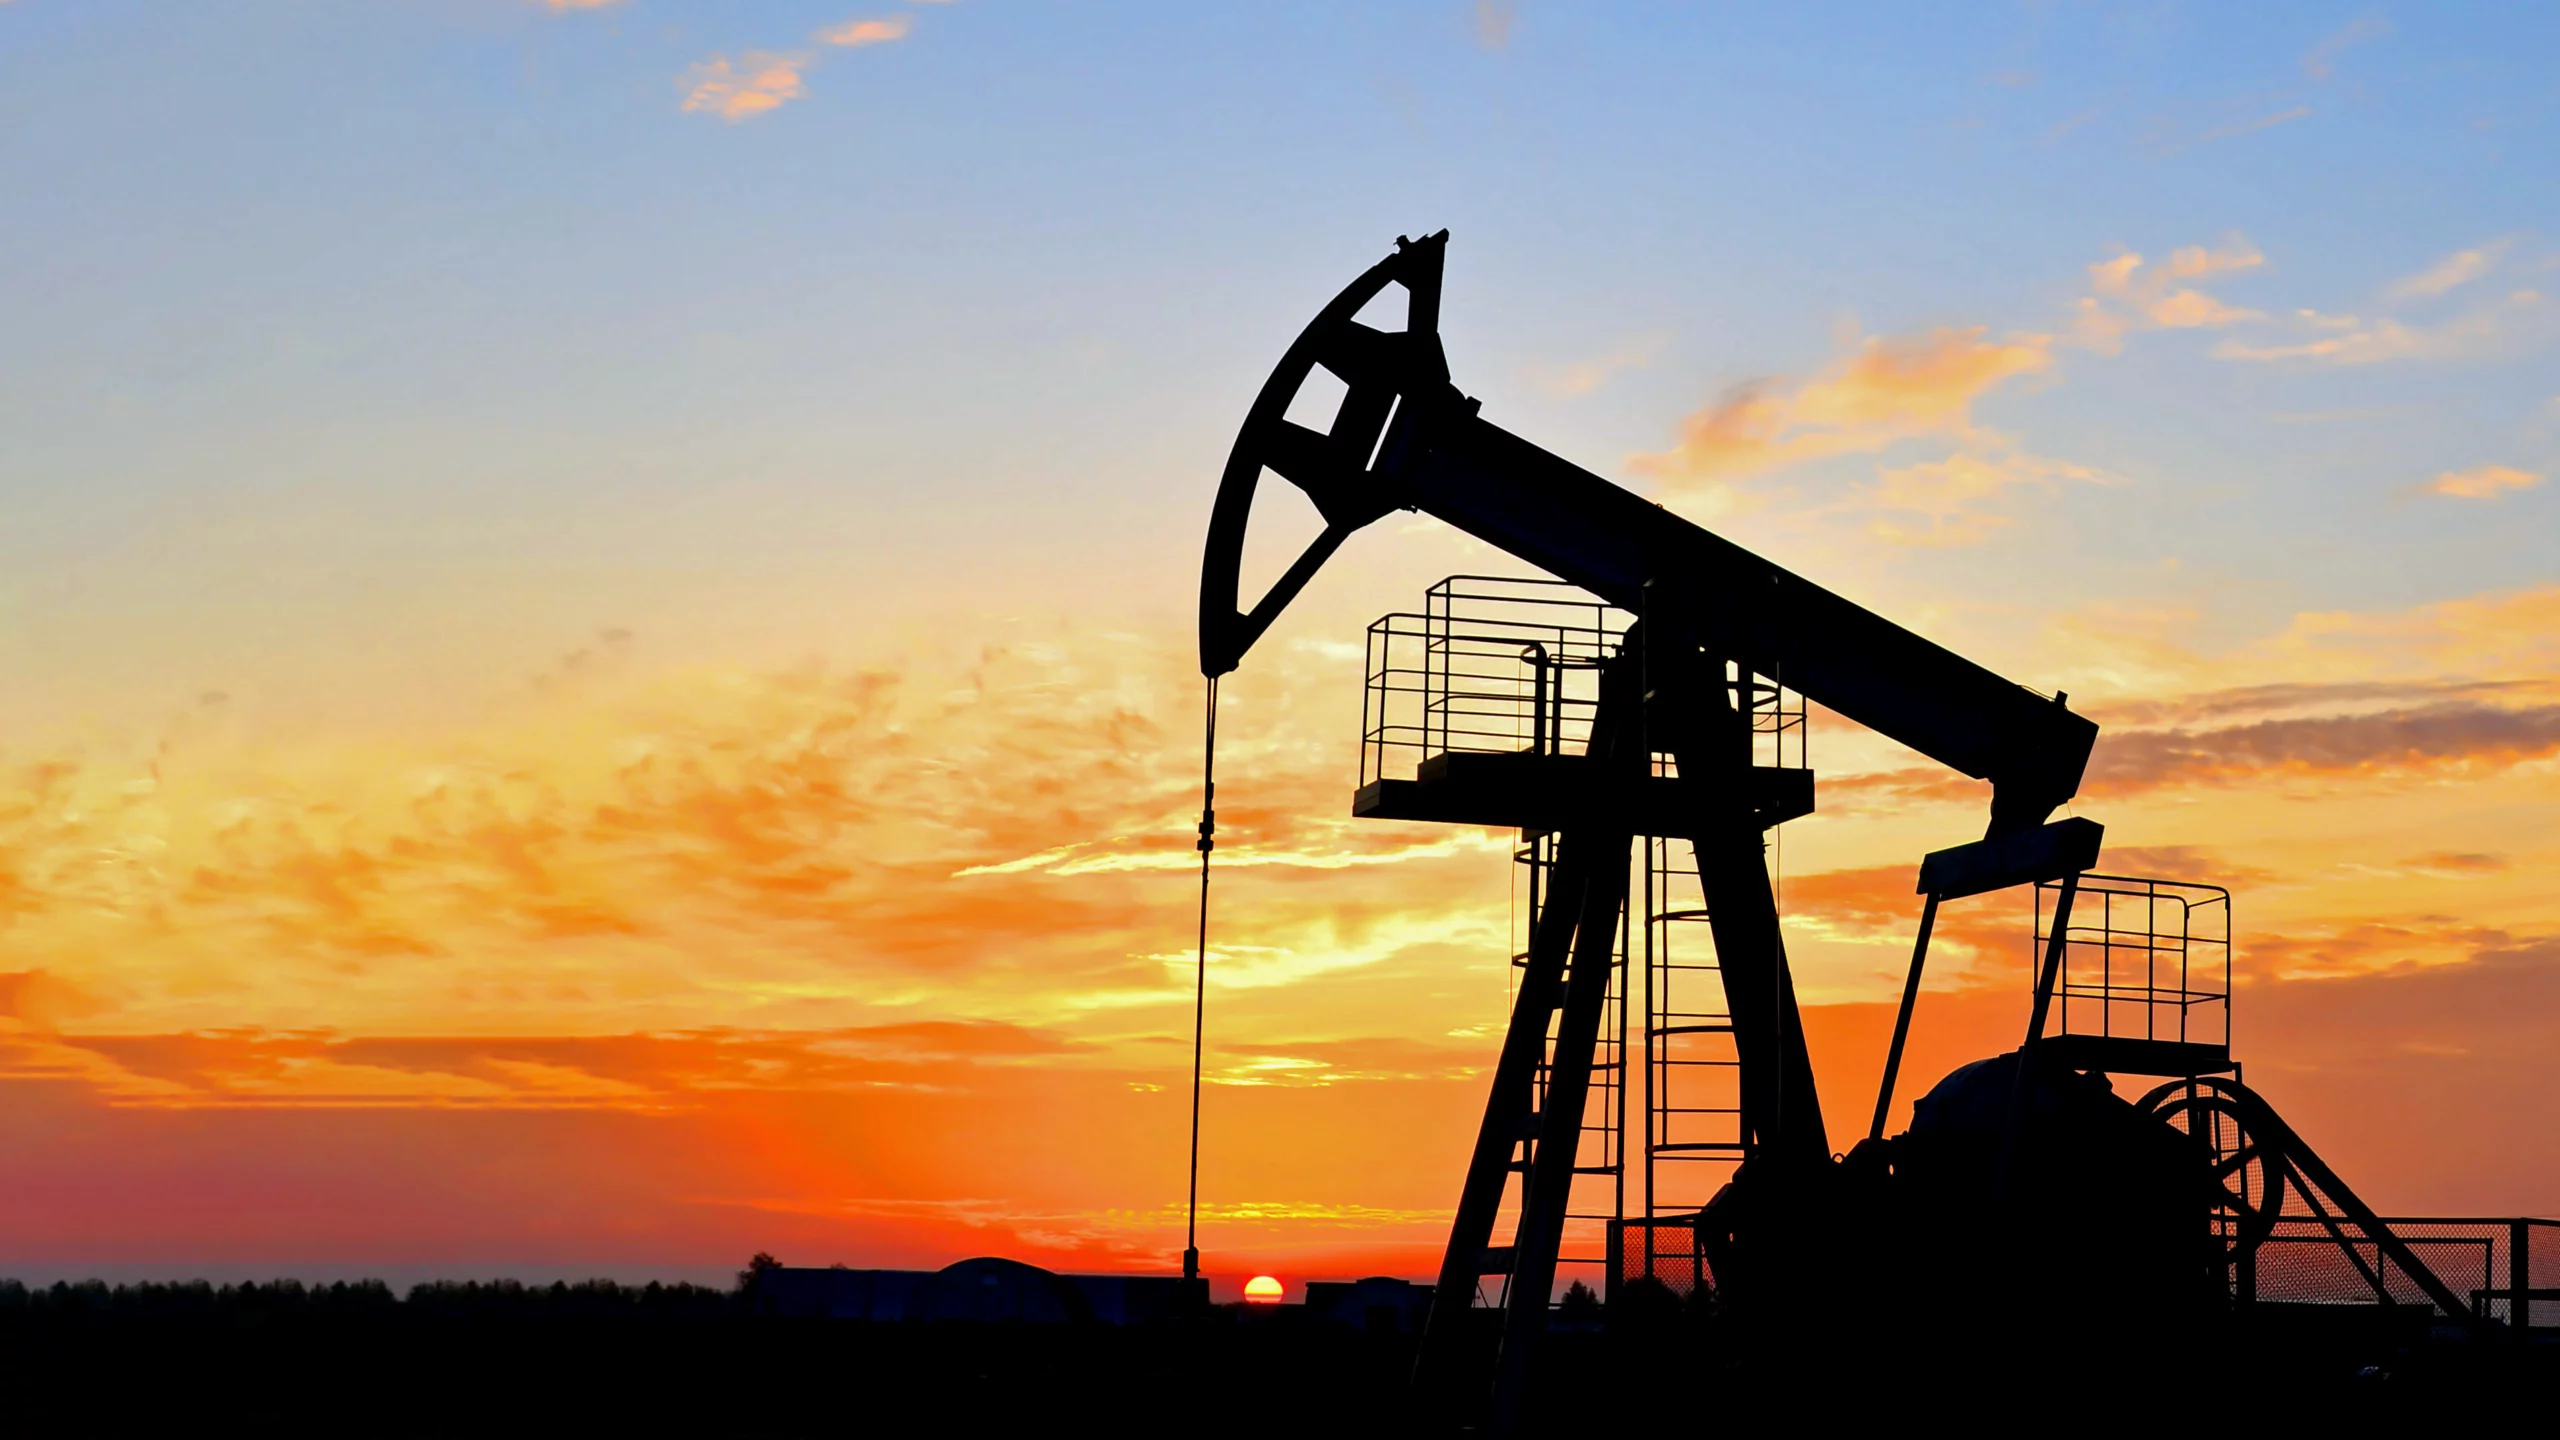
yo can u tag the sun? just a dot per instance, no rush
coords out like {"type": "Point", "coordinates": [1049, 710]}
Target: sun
{"type": "Point", "coordinates": [1262, 1290]}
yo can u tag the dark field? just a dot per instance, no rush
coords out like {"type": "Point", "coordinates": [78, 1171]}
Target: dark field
{"type": "Point", "coordinates": [611, 1360]}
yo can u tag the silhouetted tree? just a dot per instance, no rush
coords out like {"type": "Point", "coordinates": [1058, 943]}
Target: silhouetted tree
{"type": "Point", "coordinates": [1580, 1308]}
{"type": "Point", "coordinates": [757, 1269]}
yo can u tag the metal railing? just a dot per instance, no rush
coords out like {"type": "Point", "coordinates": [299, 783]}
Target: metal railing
{"type": "Point", "coordinates": [1489, 665]}
{"type": "Point", "coordinates": [2143, 959]}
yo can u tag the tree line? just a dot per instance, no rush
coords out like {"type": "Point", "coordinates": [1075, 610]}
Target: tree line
{"type": "Point", "coordinates": [365, 1299]}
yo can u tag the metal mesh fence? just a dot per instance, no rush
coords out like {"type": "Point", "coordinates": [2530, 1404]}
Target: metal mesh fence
{"type": "Point", "coordinates": [2541, 1271]}
{"type": "Point", "coordinates": [1662, 1249]}
{"type": "Point", "coordinates": [2303, 1261]}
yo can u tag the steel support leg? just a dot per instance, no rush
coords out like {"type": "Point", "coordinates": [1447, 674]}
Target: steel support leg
{"type": "Point", "coordinates": [1902, 1019]}
{"type": "Point", "coordinates": [1508, 1110]}
{"type": "Point", "coordinates": [1781, 1110]}
{"type": "Point", "coordinates": [1583, 898]}
{"type": "Point", "coordinates": [1550, 1182]}
{"type": "Point", "coordinates": [2048, 975]}
{"type": "Point", "coordinates": [1780, 1106]}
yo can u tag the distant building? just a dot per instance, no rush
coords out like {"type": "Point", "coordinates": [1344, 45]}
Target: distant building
{"type": "Point", "coordinates": [1379, 1302]}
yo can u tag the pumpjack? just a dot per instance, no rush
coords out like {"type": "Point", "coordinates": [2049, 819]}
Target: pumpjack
{"type": "Point", "coordinates": [1638, 731]}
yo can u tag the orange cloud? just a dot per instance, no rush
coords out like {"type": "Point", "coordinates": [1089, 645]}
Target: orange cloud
{"type": "Point", "coordinates": [2485, 482]}
{"type": "Point", "coordinates": [756, 82]}
{"type": "Point", "coordinates": [1582, 377]}
{"type": "Point", "coordinates": [1007, 840]}
{"type": "Point", "coordinates": [2439, 740]}
{"type": "Point", "coordinates": [639, 1073]}
{"type": "Point", "coordinates": [2355, 340]}
{"type": "Point", "coordinates": [2454, 270]}
{"type": "Point", "coordinates": [1886, 390]}
{"type": "Point", "coordinates": [2128, 293]}
{"type": "Point", "coordinates": [763, 80]}
{"type": "Point", "coordinates": [2295, 696]}
{"type": "Point", "coordinates": [2458, 862]}
{"type": "Point", "coordinates": [2513, 633]}
{"type": "Point", "coordinates": [865, 32]}
{"type": "Point", "coordinates": [1944, 492]}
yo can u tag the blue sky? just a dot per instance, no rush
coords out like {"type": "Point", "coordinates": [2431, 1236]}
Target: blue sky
{"type": "Point", "coordinates": [341, 320]}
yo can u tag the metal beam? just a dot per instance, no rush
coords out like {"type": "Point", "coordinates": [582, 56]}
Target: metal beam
{"type": "Point", "coordinates": [1576, 526]}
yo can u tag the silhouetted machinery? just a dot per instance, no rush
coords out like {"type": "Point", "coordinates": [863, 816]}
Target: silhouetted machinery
{"type": "Point", "coordinates": [1639, 719]}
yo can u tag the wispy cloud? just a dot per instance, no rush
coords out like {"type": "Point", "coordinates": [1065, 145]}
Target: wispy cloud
{"type": "Point", "coordinates": [764, 80]}
{"type": "Point", "coordinates": [2484, 482]}
{"type": "Point", "coordinates": [2183, 130]}
{"type": "Point", "coordinates": [1582, 377]}
{"type": "Point", "coordinates": [1937, 504]}
{"type": "Point", "coordinates": [865, 32]}
{"type": "Point", "coordinates": [2440, 741]}
{"type": "Point", "coordinates": [747, 87]}
{"type": "Point", "coordinates": [2349, 339]}
{"type": "Point", "coordinates": [2457, 269]}
{"type": "Point", "coordinates": [1493, 22]}
{"type": "Point", "coordinates": [2252, 126]}
{"type": "Point", "coordinates": [1884, 390]}
{"type": "Point", "coordinates": [2456, 862]}
{"type": "Point", "coordinates": [2512, 633]}
{"type": "Point", "coordinates": [2129, 293]}
{"type": "Point", "coordinates": [2322, 60]}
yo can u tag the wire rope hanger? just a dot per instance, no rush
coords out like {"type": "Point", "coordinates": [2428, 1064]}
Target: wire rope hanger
{"type": "Point", "coordinates": [1200, 971]}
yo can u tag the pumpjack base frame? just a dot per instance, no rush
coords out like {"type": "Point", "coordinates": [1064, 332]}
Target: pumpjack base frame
{"type": "Point", "coordinates": [2131, 1055]}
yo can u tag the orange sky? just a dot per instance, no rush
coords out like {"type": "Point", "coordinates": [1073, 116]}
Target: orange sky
{"type": "Point", "coordinates": [891, 964]}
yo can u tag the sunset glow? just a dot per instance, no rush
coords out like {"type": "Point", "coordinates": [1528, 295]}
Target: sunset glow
{"type": "Point", "coordinates": [597, 603]}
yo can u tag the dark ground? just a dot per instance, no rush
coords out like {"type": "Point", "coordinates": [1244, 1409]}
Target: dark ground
{"type": "Point", "coordinates": [605, 1360]}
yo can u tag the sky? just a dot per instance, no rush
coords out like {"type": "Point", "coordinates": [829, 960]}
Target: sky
{"type": "Point", "coordinates": [595, 658]}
